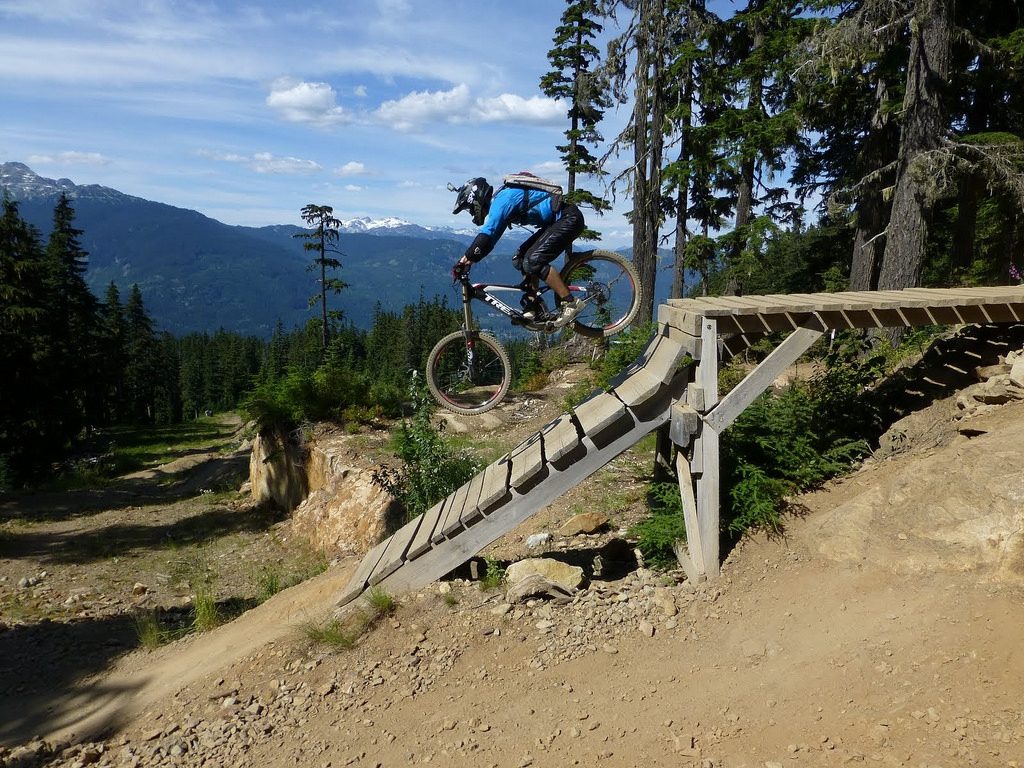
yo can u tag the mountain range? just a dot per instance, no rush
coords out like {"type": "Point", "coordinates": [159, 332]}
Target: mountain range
{"type": "Point", "coordinates": [199, 274]}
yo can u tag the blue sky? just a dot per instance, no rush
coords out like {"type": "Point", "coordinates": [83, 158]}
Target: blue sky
{"type": "Point", "coordinates": [248, 111]}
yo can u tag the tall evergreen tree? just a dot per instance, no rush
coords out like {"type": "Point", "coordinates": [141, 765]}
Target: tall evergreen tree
{"type": "Point", "coordinates": [575, 78]}
{"type": "Point", "coordinates": [25, 420]}
{"type": "Point", "coordinates": [323, 241]}
{"type": "Point", "coordinates": [142, 373]}
{"type": "Point", "coordinates": [72, 317]}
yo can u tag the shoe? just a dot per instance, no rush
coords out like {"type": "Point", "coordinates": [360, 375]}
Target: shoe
{"type": "Point", "coordinates": [567, 311]}
{"type": "Point", "coordinates": [535, 310]}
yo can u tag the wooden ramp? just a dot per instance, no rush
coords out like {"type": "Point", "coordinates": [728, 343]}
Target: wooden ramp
{"type": "Point", "coordinates": [672, 386]}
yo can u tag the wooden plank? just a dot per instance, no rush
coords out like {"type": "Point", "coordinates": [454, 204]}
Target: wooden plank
{"type": "Point", "coordinates": [527, 461]}
{"type": "Point", "coordinates": [640, 387]}
{"type": "Point", "coordinates": [471, 511]}
{"type": "Point", "coordinates": [707, 486]}
{"type": "Point", "coordinates": [600, 411]}
{"type": "Point", "coordinates": [690, 344]}
{"type": "Point", "coordinates": [687, 322]}
{"type": "Point", "coordinates": [452, 509]}
{"type": "Point", "coordinates": [360, 578]}
{"type": "Point", "coordinates": [639, 363]}
{"type": "Point", "coordinates": [421, 541]}
{"type": "Point", "coordinates": [394, 555]}
{"type": "Point", "coordinates": [695, 396]}
{"type": "Point", "coordinates": [694, 540]}
{"type": "Point", "coordinates": [759, 379]}
{"type": "Point", "coordinates": [560, 437]}
{"type": "Point", "coordinates": [664, 362]}
{"type": "Point", "coordinates": [495, 484]}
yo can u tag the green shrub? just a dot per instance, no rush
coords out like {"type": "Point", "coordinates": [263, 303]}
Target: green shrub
{"type": "Point", "coordinates": [494, 574]}
{"type": "Point", "coordinates": [431, 467]}
{"type": "Point", "coordinates": [656, 534]}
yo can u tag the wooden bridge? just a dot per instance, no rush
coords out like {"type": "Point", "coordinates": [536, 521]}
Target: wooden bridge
{"type": "Point", "coordinates": [672, 386]}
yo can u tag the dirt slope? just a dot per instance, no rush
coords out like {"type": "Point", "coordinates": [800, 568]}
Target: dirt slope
{"type": "Point", "coordinates": [884, 629]}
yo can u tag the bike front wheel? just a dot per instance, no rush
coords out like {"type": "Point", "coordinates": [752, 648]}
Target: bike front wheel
{"type": "Point", "coordinates": [468, 372]}
{"type": "Point", "coordinates": [610, 287]}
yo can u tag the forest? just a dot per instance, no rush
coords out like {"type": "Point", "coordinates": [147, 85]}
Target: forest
{"type": "Point", "coordinates": [787, 147]}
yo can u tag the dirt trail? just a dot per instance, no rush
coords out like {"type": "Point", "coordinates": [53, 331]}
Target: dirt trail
{"type": "Point", "coordinates": [892, 641]}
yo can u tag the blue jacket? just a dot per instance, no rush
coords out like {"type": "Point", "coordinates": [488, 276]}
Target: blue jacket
{"type": "Point", "coordinates": [507, 206]}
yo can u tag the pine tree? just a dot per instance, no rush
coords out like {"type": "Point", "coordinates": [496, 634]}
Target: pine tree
{"type": "Point", "coordinates": [322, 241]}
{"type": "Point", "coordinates": [72, 320]}
{"type": "Point", "coordinates": [142, 372]}
{"type": "Point", "coordinates": [575, 78]}
{"type": "Point", "coordinates": [25, 421]}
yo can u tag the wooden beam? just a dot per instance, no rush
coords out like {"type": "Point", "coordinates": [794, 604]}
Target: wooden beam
{"type": "Point", "coordinates": [758, 380]}
{"type": "Point", "coordinates": [708, 484]}
{"type": "Point", "coordinates": [694, 547]}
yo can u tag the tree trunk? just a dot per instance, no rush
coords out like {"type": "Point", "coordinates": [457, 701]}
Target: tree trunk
{"type": "Point", "coordinates": [923, 128]}
{"type": "Point", "coordinates": [647, 151]}
{"type": "Point", "coordinates": [867, 243]}
{"type": "Point", "coordinates": [745, 185]}
{"type": "Point", "coordinates": [966, 228]}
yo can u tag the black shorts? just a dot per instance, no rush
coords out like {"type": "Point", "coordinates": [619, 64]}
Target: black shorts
{"type": "Point", "coordinates": [534, 257]}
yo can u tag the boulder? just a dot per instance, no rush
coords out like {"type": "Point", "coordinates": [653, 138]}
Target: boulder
{"type": "Point", "coordinates": [276, 471]}
{"type": "Point", "coordinates": [585, 522]}
{"type": "Point", "coordinates": [345, 511]}
{"type": "Point", "coordinates": [328, 486]}
{"type": "Point", "coordinates": [567, 577]}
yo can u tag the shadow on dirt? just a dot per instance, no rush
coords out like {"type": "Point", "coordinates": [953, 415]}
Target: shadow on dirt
{"type": "Point", "coordinates": [71, 653]}
{"type": "Point", "coordinates": [76, 546]}
{"type": "Point", "coordinates": [217, 474]}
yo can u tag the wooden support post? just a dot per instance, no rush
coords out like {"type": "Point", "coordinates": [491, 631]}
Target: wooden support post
{"type": "Point", "coordinates": [662, 454]}
{"type": "Point", "coordinates": [708, 482]}
{"type": "Point", "coordinates": [691, 554]}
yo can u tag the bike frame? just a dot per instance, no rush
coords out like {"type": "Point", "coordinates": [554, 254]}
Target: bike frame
{"type": "Point", "coordinates": [481, 292]}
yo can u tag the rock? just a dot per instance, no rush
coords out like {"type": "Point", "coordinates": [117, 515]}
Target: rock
{"type": "Point", "coordinates": [536, 585]}
{"type": "Point", "coordinates": [585, 522]}
{"type": "Point", "coordinates": [986, 372]}
{"type": "Point", "coordinates": [444, 588]}
{"type": "Point", "coordinates": [646, 629]}
{"type": "Point", "coordinates": [537, 540]}
{"type": "Point", "coordinates": [138, 588]}
{"type": "Point", "coordinates": [567, 577]}
{"type": "Point", "coordinates": [1017, 373]}
{"type": "Point", "coordinates": [664, 600]}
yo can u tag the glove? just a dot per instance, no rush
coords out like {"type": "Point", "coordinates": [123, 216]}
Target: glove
{"type": "Point", "coordinates": [460, 270]}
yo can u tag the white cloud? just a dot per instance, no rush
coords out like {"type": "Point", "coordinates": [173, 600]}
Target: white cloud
{"type": "Point", "coordinates": [264, 162]}
{"type": "Point", "coordinates": [458, 106]}
{"type": "Point", "coordinates": [360, 91]}
{"type": "Point", "coordinates": [511, 108]}
{"type": "Point", "coordinates": [69, 158]}
{"type": "Point", "coordinates": [300, 102]}
{"type": "Point", "coordinates": [353, 188]}
{"type": "Point", "coordinates": [421, 107]}
{"type": "Point", "coordinates": [351, 168]}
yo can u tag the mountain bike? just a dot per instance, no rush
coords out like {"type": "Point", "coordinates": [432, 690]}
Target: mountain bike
{"type": "Point", "coordinates": [469, 371]}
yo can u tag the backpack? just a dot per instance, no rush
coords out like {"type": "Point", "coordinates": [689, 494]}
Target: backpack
{"type": "Point", "coordinates": [527, 181]}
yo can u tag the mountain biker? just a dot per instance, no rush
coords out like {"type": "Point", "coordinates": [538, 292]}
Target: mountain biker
{"type": "Point", "coordinates": [558, 222]}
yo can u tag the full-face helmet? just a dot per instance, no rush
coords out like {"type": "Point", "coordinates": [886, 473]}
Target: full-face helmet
{"type": "Point", "coordinates": [475, 197]}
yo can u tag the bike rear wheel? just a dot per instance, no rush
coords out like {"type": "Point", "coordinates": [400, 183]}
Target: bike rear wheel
{"type": "Point", "coordinates": [468, 372]}
{"type": "Point", "coordinates": [610, 286]}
